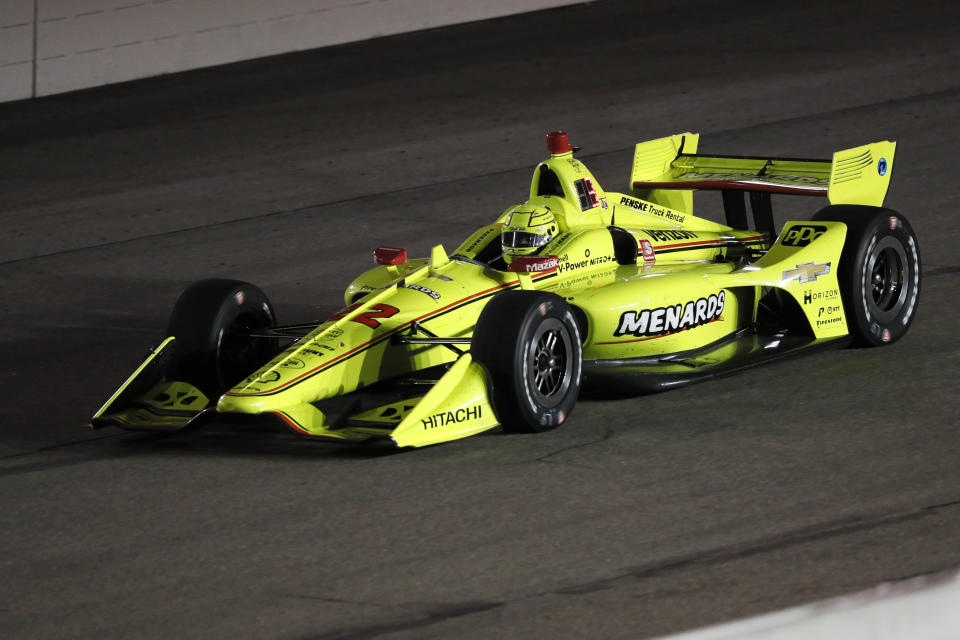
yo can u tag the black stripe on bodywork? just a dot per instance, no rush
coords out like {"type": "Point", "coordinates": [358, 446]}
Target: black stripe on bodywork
{"type": "Point", "coordinates": [694, 248]}
{"type": "Point", "coordinates": [706, 246]}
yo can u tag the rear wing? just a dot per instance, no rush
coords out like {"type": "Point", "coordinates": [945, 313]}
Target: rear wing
{"type": "Point", "coordinates": [853, 176]}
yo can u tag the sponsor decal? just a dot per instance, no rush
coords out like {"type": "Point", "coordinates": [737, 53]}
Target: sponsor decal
{"type": "Point", "coordinates": [666, 235]}
{"type": "Point", "coordinates": [570, 266]}
{"type": "Point", "coordinates": [587, 194]}
{"type": "Point", "coordinates": [559, 240]}
{"type": "Point", "coordinates": [602, 260]}
{"type": "Point", "coordinates": [430, 292]}
{"type": "Point", "coordinates": [269, 376]}
{"type": "Point", "coordinates": [662, 320]}
{"type": "Point", "coordinates": [828, 321]}
{"type": "Point", "coordinates": [646, 249]}
{"type": "Point", "coordinates": [565, 265]}
{"type": "Point", "coordinates": [293, 363]}
{"type": "Point", "coordinates": [328, 335]}
{"type": "Point", "coordinates": [651, 208]}
{"type": "Point", "coordinates": [445, 418]}
{"type": "Point", "coordinates": [800, 235]}
{"type": "Point", "coordinates": [483, 236]}
{"type": "Point", "coordinates": [882, 166]}
{"type": "Point", "coordinates": [828, 310]}
{"type": "Point", "coordinates": [752, 177]}
{"type": "Point", "coordinates": [806, 272]}
{"type": "Point", "coordinates": [810, 296]}
{"type": "Point", "coordinates": [534, 264]}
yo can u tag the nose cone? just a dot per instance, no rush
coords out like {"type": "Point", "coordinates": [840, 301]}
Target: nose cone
{"type": "Point", "coordinates": [271, 387]}
{"type": "Point", "coordinates": [242, 404]}
{"type": "Point", "coordinates": [279, 383]}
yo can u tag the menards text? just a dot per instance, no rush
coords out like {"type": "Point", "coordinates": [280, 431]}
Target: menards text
{"type": "Point", "coordinates": [652, 322]}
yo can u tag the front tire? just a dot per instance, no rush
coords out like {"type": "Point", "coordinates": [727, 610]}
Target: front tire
{"type": "Point", "coordinates": [530, 345]}
{"type": "Point", "coordinates": [879, 272]}
{"type": "Point", "coordinates": [212, 321]}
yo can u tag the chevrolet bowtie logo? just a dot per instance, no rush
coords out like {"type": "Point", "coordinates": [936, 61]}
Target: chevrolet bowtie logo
{"type": "Point", "coordinates": [806, 272]}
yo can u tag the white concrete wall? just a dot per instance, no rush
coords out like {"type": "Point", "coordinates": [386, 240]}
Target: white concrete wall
{"type": "Point", "coordinates": [921, 608]}
{"type": "Point", "coordinates": [16, 49]}
{"type": "Point", "coordinates": [86, 43]}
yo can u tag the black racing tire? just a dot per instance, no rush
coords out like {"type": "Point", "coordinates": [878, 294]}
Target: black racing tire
{"type": "Point", "coordinates": [879, 272]}
{"type": "Point", "coordinates": [211, 321]}
{"type": "Point", "coordinates": [529, 343]}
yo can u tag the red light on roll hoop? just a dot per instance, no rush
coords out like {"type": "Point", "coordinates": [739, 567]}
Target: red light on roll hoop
{"type": "Point", "coordinates": [389, 255]}
{"type": "Point", "coordinates": [558, 142]}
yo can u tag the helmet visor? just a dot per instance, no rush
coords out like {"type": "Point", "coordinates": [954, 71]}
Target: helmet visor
{"type": "Point", "coordinates": [524, 239]}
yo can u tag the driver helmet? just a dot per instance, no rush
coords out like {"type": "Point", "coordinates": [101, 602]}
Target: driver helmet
{"type": "Point", "coordinates": [526, 230]}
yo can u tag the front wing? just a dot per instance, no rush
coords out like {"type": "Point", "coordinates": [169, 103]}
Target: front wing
{"type": "Point", "coordinates": [454, 406]}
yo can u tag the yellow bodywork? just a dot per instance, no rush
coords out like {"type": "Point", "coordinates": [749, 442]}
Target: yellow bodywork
{"type": "Point", "coordinates": [683, 291]}
{"type": "Point", "coordinates": [860, 175]}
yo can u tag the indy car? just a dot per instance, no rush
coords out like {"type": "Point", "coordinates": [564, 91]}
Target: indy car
{"type": "Point", "coordinates": [628, 292]}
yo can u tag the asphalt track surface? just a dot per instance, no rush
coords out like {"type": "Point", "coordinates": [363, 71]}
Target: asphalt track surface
{"type": "Point", "coordinates": [641, 516]}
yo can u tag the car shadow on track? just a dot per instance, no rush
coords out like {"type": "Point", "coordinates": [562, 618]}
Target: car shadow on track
{"type": "Point", "coordinates": [248, 438]}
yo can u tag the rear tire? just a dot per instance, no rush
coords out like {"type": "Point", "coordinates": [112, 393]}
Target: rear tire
{"type": "Point", "coordinates": [879, 272]}
{"type": "Point", "coordinates": [530, 345]}
{"type": "Point", "coordinates": [211, 321]}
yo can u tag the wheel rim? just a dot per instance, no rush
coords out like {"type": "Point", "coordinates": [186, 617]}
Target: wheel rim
{"type": "Point", "coordinates": [548, 361]}
{"type": "Point", "coordinates": [885, 279]}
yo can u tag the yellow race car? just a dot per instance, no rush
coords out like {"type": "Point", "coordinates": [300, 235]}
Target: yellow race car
{"type": "Point", "coordinates": [629, 292]}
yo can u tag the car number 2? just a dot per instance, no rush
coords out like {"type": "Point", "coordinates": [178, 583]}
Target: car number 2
{"type": "Point", "coordinates": [368, 317]}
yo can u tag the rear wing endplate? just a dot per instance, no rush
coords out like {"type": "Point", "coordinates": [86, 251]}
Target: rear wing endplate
{"type": "Point", "coordinates": [667, 171]}
{"type": "Point", "coordinates": [853, 176]}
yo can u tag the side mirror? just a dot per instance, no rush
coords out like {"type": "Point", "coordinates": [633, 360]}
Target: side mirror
{"type": "Point", "coordinates": [389, 256]}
